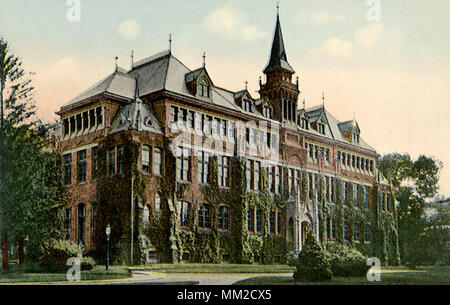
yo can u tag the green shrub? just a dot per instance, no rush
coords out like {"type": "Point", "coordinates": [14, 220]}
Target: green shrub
{"type": "Point", "coordinates": [346, 261]}
{"type": "Point", "coordinates": [313, 264]}
{"type": "Point", "coordinates": [57, 253]}
{"type": "Point", "coordinates": [291, 259]}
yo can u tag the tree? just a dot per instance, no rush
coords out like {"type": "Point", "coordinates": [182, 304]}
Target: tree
{"type": "Point", "coordinates": [415, 182]}
{"type": "Point", "coordinates": [31, 189]}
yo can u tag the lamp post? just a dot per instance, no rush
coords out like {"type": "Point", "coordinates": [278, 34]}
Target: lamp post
{"type": "Point", "coordinates": [108, 232]}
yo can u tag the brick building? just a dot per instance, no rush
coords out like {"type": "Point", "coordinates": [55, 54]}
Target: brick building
{"type": "Point", "coordinates": [311, 165]}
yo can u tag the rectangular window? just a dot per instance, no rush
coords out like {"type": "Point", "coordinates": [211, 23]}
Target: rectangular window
{"type": "Point", "coordinates": [259, 220]}
{"type": "Point", "coordinates": [120, 159]}
{"type": "Point", "coordinates": [248, 174]}
{"type": "Point", "coordinates": [198, 121]}
{"type": "Point", "coordinates": [356, 233]}
{"type": "Point", "coordinates": [67, 223]}
{"type": "Point", "coordinates": [223, 171]}
{"type": "Point", "coordinates": [173, 114]}
{"type": "Point", "coordinates": [111, 161]}
{"type": "Point", "coordinates": [184, 213]}
{"type": "Point", "coordinates": [278, 179]}
{"type": "Point", "coordinates": [297, 180]}
{"type": "Point", "coordinates": [157, 161]}
{"type": "Point", "coordinates": [204, 216]}
{"type": "Point", "coordinates": [355, 195]}
{"type": "Point", "coordinates": [99, 113]}
{"type": "Point", "coordinates": [223, 128]}
{"type": "Point", "coordinates": [191, 119]}
{"type": "Point", "coordinates": [85, 120]}
{"type": "Point", "coordinates": [231, 130]}
{"type": "Point", "coordinates": [94, 166]}
{"type": "Point", "coordinates": [81, 156]}
{"type": "Point", "coordinates": [68, 169]}
{"type": "Point", "coordinates": [272, 222]}
{"type": "Point", "coordinates": [367, 233]}
{"type": "Point", "coordinates": [183, 166]}
{"type": "Point", "coordinates": [224, 218]}
{"type": "Point", "coordinates": [78, 122]}
{"type": "Point", "coordinates": [81, 223]}
{"type": "Point", "coordinates": [345, 230]}
{"type": "Point", "coordinates": [333, 228]}
{"type": "Point", "coordinates": [344, 193]}
{"type": "Point", "coordinates": [279, 223]}
{"type": "Point", "coordinates": [72, 124]}
{"type": "Point", "coordinates": [146, 152]}
{"type": "Point", "coordinates": [92, 118]}
{"type": "Point", "coordinates": [270, 178]}
{"type": "Point", "coordinates": [257, 166]}
{"type": "Point", "coordinates": [202, 167]}
{"type": "Point", "coordinates": [65, 127]}
{"type": "Point", "coordinates": [251, 220]}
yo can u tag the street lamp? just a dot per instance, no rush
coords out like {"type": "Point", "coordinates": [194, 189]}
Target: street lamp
{"type": "Point", "coordinates": [108, 232]}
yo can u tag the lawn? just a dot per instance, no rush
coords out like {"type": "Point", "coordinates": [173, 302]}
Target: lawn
{"type": "Point", "coordinates": [390, 276]}
{"type": "Point", "coordinates": [17, 275]}
{"type": "Point", "coordinates": [217, 268]}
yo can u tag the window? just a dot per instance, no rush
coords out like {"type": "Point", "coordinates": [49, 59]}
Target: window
{"type": "Point", "coordinates": [81, 155]}
{"type": "Point", "coordinates": [267, 112]}
{"type": "Point", "coordinates": [355, 195]}
{"type": "Point", "coordinates": [366, 197]}
{"type": "Point", "coordinates": [157, 205]}
{"type": "Point", "coordinates": [333, 228]}
{"type": "Point", "coordinates": [185, 213]}
{"type": "Point", "coordinates": [304, 123]}
{"type": "Point", "coordinates": [207, 123]}
{"type": "Point", "coordinates": [344, 192]}
{"type": "Point", "coordinates": [223, 171]}
{"type": "Point", "coordinates": [367, 233]}
{"type": "Point", "coordinates": [67, 169]}
{"type": "Point", "coordinates": [297, 180]}
{"type": "Point", "coordinates": [326, 155]}
{"type": "Point", "coordinates": [257, 166]}
{"type": "Point", "coordinates": [310, 186]}
{"type": "Point", "coordinates": [231, 130]}
{"type": "Point", "coordinates": [247, 105]}
{"type": "Point", "coordinates": [191, 119]}
{"type": "Point", "coordinates": [202, 161]}
{"type": "Point", "coordinates": [198, 121]}
{"type": "Point", "coordinates": [92, 118]}
{"type": "Point", "coordinates": [94, 167]}
{"type": "Point", "coordinates": [203, 87]}
{"type": "Point", "coordinates": [85, 120]}
{"type": "Point", "coordinates": [223, 128]}
{"type": "Point", "coordinates": [259, 220]}
{"type": "Point", "coordinates": [157, 162]}
{"type": "Point", "coordinates": [183, 117]}
{"type": "Point", "coordinates": [146, 214]}
{"type": "Point", "coordinates": [78, 122]}
{"type": "Point", "coordinates": [279, 223]}
{"type": "Point", "coordinates": [248, 174]}
{"type": "Point", "coordinates": [278, 179]}
{"type": "Point", "coordinates": [204, 216]}
{"type": "Point", "coordinates": [224, 217]}
{"type": "Point", "coordinates": [72, 124]}
{"type": "Point", "coordinates": [270, 178]}
{"type": "Point", "coordinates": [99, 113]}
{"type": "Point", "coordinates": [356, 233]}
{"type": "Point", "coordinates": [146, 152]}
{"type": "Point", "coordinates": [67, 223]}
{"type": "Point", "coordinates": [65, 126]}
{"type": "Point", "coordinates": [355, 137]}
{"type": "Point", "coordinates": [81, 223]}
{"type": "Point", "coordinates": [345, 230]}
{"type": "Point", "coordinates": [272, 222]}
{"type": "Point", "coordinates": [353, 161]}
{"type": "Point", "coordinates": [251, 220]}
{"type": "Point", "coordinates": [120, 159]}
{"type": "Point", "coordinates": [358, 162]}
{"type": "Point", "coordinates": [183, 164]}
{"type": "Point", "coordinates": [111, 161]}
{"type": "Point", "coordinates": [321, 128]}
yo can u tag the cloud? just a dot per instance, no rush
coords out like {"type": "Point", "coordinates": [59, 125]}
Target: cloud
{"type": "Point", "coordinates": [129, 29]}
{"type": "Point", "coordinates": [369, 36]}
{"type": "Point", "coordinates": [229, 20]}
{"type": "Point", "coordinates": [337, 47]}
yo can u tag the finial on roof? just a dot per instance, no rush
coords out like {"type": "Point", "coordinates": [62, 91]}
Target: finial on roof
{"type": "Point", "coordinates": [117, 66]}
{"type": "Point", "coordinates": [323, 99]}
{"type": "Point", "coordinates": [304, 104]}
{"type": "Point", "coordinates": [354, 118]}
{"type": "Point", "coordinates": [204, 59]}
{"type": "Point", "coordinates": [132, 59]}
{"type": "Point", "coordinates": [170, 43]}
{"type": "Point", "coordinates": [296, 81]}
{"type": "Point", "coordinates": [260, 81]}
{"type": "Point", "coordinates": [278, 8]}
{"type": "Point", "coordinates": [246, 83]}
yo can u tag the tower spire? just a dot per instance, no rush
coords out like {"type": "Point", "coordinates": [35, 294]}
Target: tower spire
{"type": "Point", "coordinates": [204, 59]}
{"type": "Point", "coordinates": [278, 58]}
{"type": "Point", "coordinates": [170, 43]}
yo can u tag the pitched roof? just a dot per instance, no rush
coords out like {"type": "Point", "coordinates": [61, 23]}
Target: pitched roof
{"type": "Point", "coordinates": [278, 58]}
{"type": "Point", "coordinates": [118, 84]}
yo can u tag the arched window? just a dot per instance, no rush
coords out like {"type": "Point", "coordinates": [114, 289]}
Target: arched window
{"type": "Point", "coordinates": [146, 213]}
{"type": "Point", "coordinates": [184, 211]}
{"type": "Point", "coordinates": [157, 205]}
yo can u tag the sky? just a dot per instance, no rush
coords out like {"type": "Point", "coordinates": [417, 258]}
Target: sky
{"type": "Point", "coordinates": [385, 61]}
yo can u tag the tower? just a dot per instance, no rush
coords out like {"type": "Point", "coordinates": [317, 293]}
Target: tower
{"type": "Point", "coordinates": [279, 90]}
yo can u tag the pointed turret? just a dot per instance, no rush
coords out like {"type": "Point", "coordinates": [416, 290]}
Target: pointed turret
{"type": "Point", "coordinates": [278, 58]}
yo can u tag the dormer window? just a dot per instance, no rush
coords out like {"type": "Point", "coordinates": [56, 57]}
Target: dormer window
{"type": "Point", "coordinates": [247, 105]}
{"type": "Point", "coordinates": [267, 112]}
{"type": "Point", "coordinates": [355, 137]}
{"type": "Point", "coordinates": [304, 123]}
{"type": "Point", "coordinates": [321, 128]}
{"type": "Point", "coordinates": [203, 88]}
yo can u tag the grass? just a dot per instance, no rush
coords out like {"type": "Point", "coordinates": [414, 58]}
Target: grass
{"type": "Point", "coordinates": [21, 275]}
{"type": "Point", "coordinates": [217, 268]}
{"type": "Point", "coordinates": [391, 276]}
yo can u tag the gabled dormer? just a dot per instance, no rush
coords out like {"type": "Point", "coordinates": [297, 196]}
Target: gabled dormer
{"type": "Point", "coordinates": [350, 131]}
{"type": "Point", "coordinates": [303, 119]}
{"type": "Point", "coordinates": [245, 101]}
{"type": "Point", "coordinates": [265, 108]}
{"type": "Point", "coordinates": [199, 83]}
